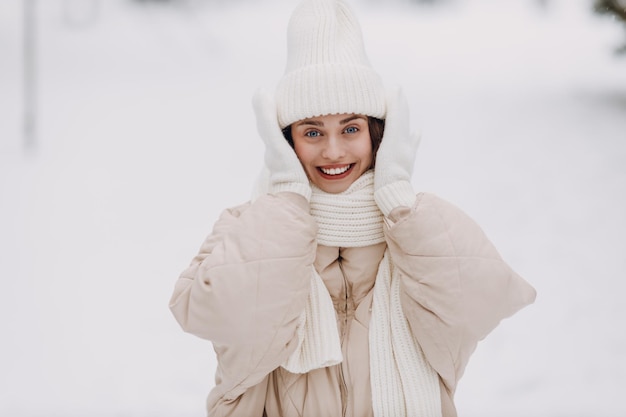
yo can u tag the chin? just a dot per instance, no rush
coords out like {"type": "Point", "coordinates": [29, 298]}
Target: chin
{"type": "Point", "coordinates": [337, 188]}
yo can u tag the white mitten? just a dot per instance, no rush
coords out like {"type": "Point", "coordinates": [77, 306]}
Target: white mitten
{"type": "Point", "coordinates": [285, 171]}
{"type": "Point", "coordinates": [396, 157]}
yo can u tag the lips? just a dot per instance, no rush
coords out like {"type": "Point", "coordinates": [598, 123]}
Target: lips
{"type": "Point", "coordinates": [335, 172]}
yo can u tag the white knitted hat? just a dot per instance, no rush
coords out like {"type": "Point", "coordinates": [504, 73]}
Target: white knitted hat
{"type": "Point", "coordinates": [327, 68]}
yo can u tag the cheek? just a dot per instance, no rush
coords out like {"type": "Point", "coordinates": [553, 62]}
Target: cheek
{"type": "Point", "coordinates": [303, 152]}
{"type": "Point", "coordinates": [365, 150]}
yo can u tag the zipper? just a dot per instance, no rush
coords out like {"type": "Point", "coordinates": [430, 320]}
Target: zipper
{"type": "Point", "coordinates": [344, 392]}
{"type": "Point", "coordinates": [343, 387]}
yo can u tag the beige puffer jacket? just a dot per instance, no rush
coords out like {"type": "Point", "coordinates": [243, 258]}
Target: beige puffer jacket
{"type": "Point", "coordinates": [246, 288]}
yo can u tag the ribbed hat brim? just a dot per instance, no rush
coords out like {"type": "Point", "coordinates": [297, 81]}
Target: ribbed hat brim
{"type": "Point", "coordinates": [319, 90]}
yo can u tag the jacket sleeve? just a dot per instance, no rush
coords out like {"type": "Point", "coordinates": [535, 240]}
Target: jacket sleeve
{"type": "Point", "coordinates": [455, 286]}
{"type": "Point", "coordinates": [246, 288]}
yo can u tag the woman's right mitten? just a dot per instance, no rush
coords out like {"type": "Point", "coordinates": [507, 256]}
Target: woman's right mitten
{"type": "Point", "coordinates": [285, 170]}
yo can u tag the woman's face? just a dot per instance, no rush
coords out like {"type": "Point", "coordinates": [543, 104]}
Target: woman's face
{"type": "Point", "coordinates": [334, 149]}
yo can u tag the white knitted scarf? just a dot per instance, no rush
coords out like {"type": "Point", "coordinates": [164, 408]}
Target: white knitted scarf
{"type": "Point", "coordinates": [402, 381]}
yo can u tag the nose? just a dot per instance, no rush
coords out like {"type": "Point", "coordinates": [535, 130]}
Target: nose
{"type": "Point", "coordinates": [333, 149]}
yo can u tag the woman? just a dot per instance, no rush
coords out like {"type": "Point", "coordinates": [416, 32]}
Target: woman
{"type": "Point", "coordinates": [337, 291]}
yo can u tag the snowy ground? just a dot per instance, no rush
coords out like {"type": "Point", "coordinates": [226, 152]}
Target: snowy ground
{"type": "Point", "coordinates": [146, 133]}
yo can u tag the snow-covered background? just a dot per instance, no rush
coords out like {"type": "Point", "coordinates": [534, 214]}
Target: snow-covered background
{"type": "Point", "coordinates": [145, 133]}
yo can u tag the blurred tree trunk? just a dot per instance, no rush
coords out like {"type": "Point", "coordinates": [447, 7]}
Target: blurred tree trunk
{"type": "Point", "coordinates": [617, 9]}
{"type": "Point", "coordinates": [614, 7]}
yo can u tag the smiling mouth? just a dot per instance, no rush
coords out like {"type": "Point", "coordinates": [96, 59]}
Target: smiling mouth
{"type": "Point", "coordinates": [335, 172]}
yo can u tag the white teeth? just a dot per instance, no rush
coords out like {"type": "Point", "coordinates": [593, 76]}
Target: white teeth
{"type": "Point", "coordinates": [335, 171]}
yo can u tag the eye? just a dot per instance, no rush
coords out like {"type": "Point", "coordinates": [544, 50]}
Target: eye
{"type": "Point", "coordinates": [351, 129]}
{"type": "Point", "coordinates": [313, 133]}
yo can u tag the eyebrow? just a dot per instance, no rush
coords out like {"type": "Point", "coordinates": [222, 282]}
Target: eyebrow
{"type": "Point", "coordinates": [342, 121]}
{"type": "Point", "coordinates": [351, 118]}
{"type": "Point", "coordinates": [309, 122]}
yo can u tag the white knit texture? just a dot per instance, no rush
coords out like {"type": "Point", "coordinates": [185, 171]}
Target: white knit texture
{"type": "Point", "coordinates": [387, 392]}
{"type": "Point", "coordinates": [399, 193]}
{"type": "Point", "coordinates": [327, 71]}
{"type": "Point", "coordinates": [350, 218]}
{"type": "Point", "coordinates": [290, 183]}
{"type": "Point", "coordinates": [318, 342]}
{"type": "Point", "coordinates": [403, 382]}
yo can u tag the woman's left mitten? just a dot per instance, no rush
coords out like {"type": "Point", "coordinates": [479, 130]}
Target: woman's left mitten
{"type": "Point", "coordinates": [396, 157]}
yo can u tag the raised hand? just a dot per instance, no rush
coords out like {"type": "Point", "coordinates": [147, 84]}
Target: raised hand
{"type": "Point", "coordinates": [285, 171]}
{"type": "Point", "coordinates": [396, 157]}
